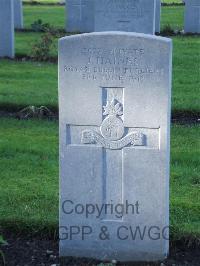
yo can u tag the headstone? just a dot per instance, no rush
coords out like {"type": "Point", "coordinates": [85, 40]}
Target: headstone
{"type": "Point", "coordinates": [6, 28]}
{"type": "Point", "coordinates": [192, 16]}
{"type": "Point", "coordinates": [80, 15]}
{"type": "Point", "coordinates": [158, 15]}
{"type": "Point", "coordinates": [114, 90]}
{"type": "Point", "coordinates": [18, 14]}
{"type": "Point", "coordinates": [125, 15]}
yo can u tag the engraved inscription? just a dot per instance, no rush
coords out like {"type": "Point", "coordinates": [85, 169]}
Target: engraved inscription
{"type": "Point", "coordinates": [196, 5]}
{"type": "Point", "coordinates": [80, 6]}
{"type": "Point", "coordinates": [132, 139]}
{"type": "Point", "coordinates": [116, 9]}
{"type": "Point", "coordinates": [114, 65]}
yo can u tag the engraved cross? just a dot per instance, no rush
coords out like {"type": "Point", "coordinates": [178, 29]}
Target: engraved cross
{"type": "Point", "coordinates": [113, 137]}
{"type": "Point", "coordinates": [80, 5]}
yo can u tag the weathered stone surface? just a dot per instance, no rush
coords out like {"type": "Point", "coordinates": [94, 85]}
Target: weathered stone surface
{"type": "Point", "coordinates": [6, 28]}
{"type": "Point", "coordinates": [158, 15]}
{"type": "Point", "coordinates": [18, 14]}
{"type": "Point", "coordinates": [80, 15]}
{"type": "Point", "coordinates": [192, 16]}
{"type": "Point", "coordinates": [114, 98]}
{"type": "Point", "coordinates": [125, 15]}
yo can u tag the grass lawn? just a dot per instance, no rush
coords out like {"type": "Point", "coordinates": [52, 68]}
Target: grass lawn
{"type": "Point", "coordinates": [167, 1]}
{"type": "Point", "coordinates": [29, 174]}
{"type": "Point", "coordinates": [186, 81]}
{"type": "Point", "coordinates": [29, 177]}
{"type": "Point", "coordinates": [185, 180]}
{"type": "Point", "coordinates": [25, 41]}
{"type": "Point", "coordinates": [173, 16]}
{"type": "Point", "coordinates": [23, 84]}
{"type": "Point", "coordinates": [55, 15]}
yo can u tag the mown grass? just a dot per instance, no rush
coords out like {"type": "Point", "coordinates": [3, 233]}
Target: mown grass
{"type": "Point", "coordinates": [186, 73]}
{"type": "Point", "coordinates": [169, 1]}
{"type": "Point", "coordinates": [29, 177]}
{"type": "Point", "coordinates": [185, 181]}
{"type": "Point", "coordinates": [29, 174]}
{"type": "Point", "coordinates": [26, 83]}
{"type": "Point", "coordinates": [55, 15]}
{"type": "Point", "coordinates": [172, 16]}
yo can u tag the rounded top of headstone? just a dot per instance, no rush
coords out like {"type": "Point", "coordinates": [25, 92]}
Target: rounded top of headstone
{"type": "Point", "coordinates": [116, 33]}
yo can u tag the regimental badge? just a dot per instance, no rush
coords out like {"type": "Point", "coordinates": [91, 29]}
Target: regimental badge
{"type": "Point", "coordinates": [112, 127]}
{"type": "Point", "coordinates": [112, 130]}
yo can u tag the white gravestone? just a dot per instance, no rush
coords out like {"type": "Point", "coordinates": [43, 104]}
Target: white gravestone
{"type": "Point", "coordinates": [114, 91]}
{"type": "Point", "coordinates": [79, 15]}
{"type": "Point", "coordinates": [18, 14]}
{"type": "Point", "coordinates": [192, 16]}
{"type": "Point", "coordinates": [158, 15]}
{"type": "Point", "coordinates": [125, 15]}
{"type": "Point", "coordinates": [6, 28]}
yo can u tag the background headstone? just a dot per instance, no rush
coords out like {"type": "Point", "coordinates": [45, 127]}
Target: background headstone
{"type": "Point", "coordinates": [125, 15]}
{"type": "Point", "coordinates": [6, 28]}
{"type": "Point", "coordinates": [192, 16]}
{"type": "Point", "coordinates": [79, 15]}
{"type": "Point", "coordinates": [114, 91]}
{"type": "Point", "coordinates": [158, 15]}
{"type": "Point", "coordinates": [18, 14]}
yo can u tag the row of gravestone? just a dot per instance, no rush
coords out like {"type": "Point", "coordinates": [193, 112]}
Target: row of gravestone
{"type": "Point", "coordinates": [94, 15]}
{"type": "Point", "coordinates": [126, 15]}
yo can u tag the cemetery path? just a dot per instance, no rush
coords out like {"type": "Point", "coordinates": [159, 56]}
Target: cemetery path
{"type": "Point", "coordinates": [22, 250]}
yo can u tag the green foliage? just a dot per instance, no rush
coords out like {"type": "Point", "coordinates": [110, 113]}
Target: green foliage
{"type": "Point", "coordinates": [42, 48]}
{"type": "Point", "coordinates": [38, 25]}
{"type": "Point", "coordinates": [167, 30]}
